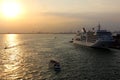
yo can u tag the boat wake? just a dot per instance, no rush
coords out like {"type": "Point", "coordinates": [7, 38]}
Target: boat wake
{"type": "Point", "coordinates": [9, 47]}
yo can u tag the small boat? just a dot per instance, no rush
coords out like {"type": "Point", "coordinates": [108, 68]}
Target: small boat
{"type": "Point", "coordinates": [5, 48]}
{"type": "Point", "coordinates": [55, 65]}
{"type": "Point", "coordinates": [94, 39]}
{"type": "Point", "coordinates": [71, 41]}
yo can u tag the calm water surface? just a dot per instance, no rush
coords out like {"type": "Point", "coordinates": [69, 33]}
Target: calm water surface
{"type": "Point", "coordinates": [26, 57]}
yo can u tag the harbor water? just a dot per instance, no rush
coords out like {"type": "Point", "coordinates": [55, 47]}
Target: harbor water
{"type": "Point", "coordinates": [27, 57]}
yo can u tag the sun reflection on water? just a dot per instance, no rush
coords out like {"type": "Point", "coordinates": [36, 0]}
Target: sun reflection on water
{"type": "Point", "coordinates": [12, 56]}
{"type": "Point", "coordinates": [11, 39]}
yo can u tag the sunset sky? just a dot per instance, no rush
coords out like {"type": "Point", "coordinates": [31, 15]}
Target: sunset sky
{"type": "Point", "coordinates": [58, 15]}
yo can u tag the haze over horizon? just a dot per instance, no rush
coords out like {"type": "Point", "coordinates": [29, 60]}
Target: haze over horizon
{"type": "Point", "coordinates": [58, 15]}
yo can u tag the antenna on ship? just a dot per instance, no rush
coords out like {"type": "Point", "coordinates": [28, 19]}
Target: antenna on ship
{"type": "Point", "coordinates": [99, 26]}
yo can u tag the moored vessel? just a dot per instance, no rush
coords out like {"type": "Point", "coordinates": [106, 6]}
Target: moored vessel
{"type": "Point", "coordinates": [95, 39]}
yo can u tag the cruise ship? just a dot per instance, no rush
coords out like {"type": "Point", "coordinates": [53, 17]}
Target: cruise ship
{"type": "Point", "coordinates": [96, 39]}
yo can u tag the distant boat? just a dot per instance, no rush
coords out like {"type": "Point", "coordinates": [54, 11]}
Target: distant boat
{"type": "Point", "coordinates": [95, 39]}
{"type": "Point", "coordinates": [71, 40]}
{"type": "Point", "coordinates": [55, 65]}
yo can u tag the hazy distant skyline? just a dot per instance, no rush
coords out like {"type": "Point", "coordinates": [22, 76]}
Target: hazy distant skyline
{"type": "Point", "coordinates": [63, 15]}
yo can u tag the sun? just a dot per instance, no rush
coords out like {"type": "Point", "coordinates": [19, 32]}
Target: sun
{"type": "Point", "coordinates": [10, 9]}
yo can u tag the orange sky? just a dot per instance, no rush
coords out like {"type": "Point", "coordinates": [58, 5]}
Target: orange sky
{"type": "Point", "coordinates": [62, 15]}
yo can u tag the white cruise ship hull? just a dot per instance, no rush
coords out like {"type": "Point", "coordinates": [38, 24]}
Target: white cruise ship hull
{"type": "Point", "coordinates": [97, 44]}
